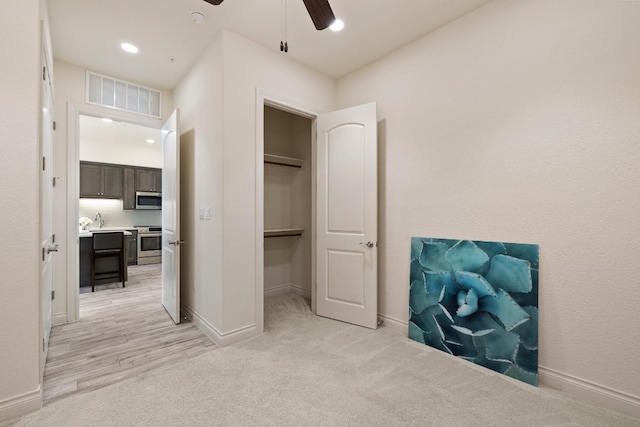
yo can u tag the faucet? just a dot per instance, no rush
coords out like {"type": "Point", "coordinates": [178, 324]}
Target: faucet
{"type": "Point", "coordinates": [100, 221]}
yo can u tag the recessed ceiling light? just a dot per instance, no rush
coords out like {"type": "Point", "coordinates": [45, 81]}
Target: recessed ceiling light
{"type": "Point", "coordinates": [151, 141]}
{"type": "Point", "coordinates": [106, 120]}
{"type": "Point", "coordinates": [128, 47]}
{"type": "Point", "coordinates": [338, 25]}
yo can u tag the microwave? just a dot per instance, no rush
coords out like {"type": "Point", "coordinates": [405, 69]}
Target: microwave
{"type": "Point", "coordinates": [148, 200]}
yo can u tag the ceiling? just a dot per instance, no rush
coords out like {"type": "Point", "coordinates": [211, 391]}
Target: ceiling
{"type": "Point", "coordinates": [126, 134]}
{"type": "Point", "coordinates": [88, 33]}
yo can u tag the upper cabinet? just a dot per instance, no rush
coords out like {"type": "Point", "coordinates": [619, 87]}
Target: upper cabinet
{"type": "Point", "coordinates": [100, 180]}
{"type": "Point", "coordinates": [108, 181]}
{"type": "Point", "coordinates": [129, 188]}
{"type": "Point", "coordinates": [148, 179]}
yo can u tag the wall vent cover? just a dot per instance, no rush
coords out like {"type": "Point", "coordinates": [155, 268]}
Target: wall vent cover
{"type": "Point", "coordinates": [125, 96]}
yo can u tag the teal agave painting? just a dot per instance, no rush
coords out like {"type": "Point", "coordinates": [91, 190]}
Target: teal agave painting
{"type": "Point", "coordinates": [478, 301]}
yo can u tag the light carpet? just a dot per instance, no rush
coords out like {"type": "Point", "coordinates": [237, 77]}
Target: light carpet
{"type": "Point", "coordinates": [311, 371]}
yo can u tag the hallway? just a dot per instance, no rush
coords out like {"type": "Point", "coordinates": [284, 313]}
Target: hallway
{"type": "Point", "coordinates": [121, 333]}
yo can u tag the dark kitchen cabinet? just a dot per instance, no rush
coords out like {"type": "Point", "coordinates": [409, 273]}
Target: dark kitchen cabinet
{"type": "Point", "coordinates": [148, 179]}
{"type": "Point", "coordinates": [100, 180]}
{"type": "Point", "coordinates": [129, 188]}
{"type": "Point", "coordinates": [132, 247]}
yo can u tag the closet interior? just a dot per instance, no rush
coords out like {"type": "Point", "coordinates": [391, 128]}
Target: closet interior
{"type": "Point", "coordinates": [287, 203]}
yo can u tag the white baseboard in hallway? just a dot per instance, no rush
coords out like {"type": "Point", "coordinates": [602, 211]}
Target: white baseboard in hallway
{"type": "Point", "coordinates": [122, 332]}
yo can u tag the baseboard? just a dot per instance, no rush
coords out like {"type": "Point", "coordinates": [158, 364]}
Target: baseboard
{"type": "Point", "coordinates": [276, 291]}
{"type": "Point", "coordinates": [221, 339]}
{"type": "Point", "coordinates": [394, 325]}
{"type": "Point", "coordinates": [21, 405]}
{"type": "Point", "coordinates": [584, 389]}
{"type": "Point", "coordinates": [287, 289]}
{"type": "Point", "coordinates": [588, 390]}
{"type": "Point", "coordinates": [304, 293]}
{"type": "Point", "coordinates": [60, 319]}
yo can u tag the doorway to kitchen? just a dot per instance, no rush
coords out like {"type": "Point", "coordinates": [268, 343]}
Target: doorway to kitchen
{"type": "Point", "coordinates": [120, 190]}
{"type": "Point", "coordinates": [115, 183]}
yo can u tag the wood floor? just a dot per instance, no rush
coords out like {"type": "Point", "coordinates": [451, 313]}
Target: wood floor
{"type": "Point", "coordinates": [121, 333]}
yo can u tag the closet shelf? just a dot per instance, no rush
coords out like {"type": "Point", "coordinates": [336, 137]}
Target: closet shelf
{"type": "Point", "coordinates": [283, 232]}
{"type": "Point", "coordinates": [282, 160]}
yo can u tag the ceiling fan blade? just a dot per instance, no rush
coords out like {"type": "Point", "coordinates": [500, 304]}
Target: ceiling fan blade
{"type": "Point", "coordinates": [320, 12]}
{"type": "Point", "coordinates": [214, 2]}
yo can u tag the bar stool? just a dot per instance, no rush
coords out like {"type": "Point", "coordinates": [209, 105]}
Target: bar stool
{"type": "Point", "coordinates": [108, 245]}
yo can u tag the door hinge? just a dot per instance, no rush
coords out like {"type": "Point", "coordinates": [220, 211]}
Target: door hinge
{"type": "Point", "coordinates": [54, 125]}
{"type": "Point", "coordinates": [53, 295]}
{"type": "Point", "coordinates": [43, 345]}
{"type": "Point", "coordinates": [44, 163]}
{"type": "Point", "coordinates": [43, 254]}
{"type": "Point", "coordinates": [44, 73]}
{"type": "Point", "coordinates": [53, 238]}
{"type": "Point", "coordinates": [55, 180]}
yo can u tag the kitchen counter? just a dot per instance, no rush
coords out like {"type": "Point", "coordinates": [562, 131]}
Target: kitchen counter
{"type": "Point", "coordinates": [106, 230]}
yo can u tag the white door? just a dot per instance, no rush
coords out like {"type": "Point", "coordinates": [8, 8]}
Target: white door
{"type": "Point", "coordinates": [48, 246]}
{"type": "Point", "coordinates": [171, 217]}
{"type": "Point", "coordinates": [347, 216]}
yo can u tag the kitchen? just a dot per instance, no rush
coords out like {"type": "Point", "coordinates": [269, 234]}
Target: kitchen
{"type": "Point", "coordinates": [120, 190]}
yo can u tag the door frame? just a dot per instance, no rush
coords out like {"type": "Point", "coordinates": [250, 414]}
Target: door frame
{"type": "Point", "coordinates": [74, 111]}
{"type": "Point", "coordinates": [263, 99]}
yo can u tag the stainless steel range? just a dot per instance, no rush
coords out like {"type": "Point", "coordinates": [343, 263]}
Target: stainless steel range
{"type": "Point", "coordinates": [149, 244]}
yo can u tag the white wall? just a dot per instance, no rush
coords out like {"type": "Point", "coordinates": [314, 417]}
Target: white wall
{"type": "Point", "coordinates": [519, 122]}
{"type": "Point", "coordinates": [218, 103]}
{"type": "Point", "coordinates": [199, 97]}
{"type": "Point", "coordinates": [19, 266]}
{"type": "Point", "coordinates": [96, 150]}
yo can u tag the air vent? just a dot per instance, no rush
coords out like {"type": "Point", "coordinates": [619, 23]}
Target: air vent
{"type": "Point", "coordinates": [121, 95]}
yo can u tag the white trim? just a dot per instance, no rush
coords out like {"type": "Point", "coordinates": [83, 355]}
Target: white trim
{"type": "Point", "coordinates": [60, 319]}
{"type": "Point", "coordinates": [297, 290]}
{"type": "Point", "coordinates": [21, 405]}
{"type": "Point", "coordinates": [73, 193]}
{"type": "Point", "coordinates": [264, 98]}
{"type": "Point", "coordinates": [74, 111]}
{"type": "Point", "coordinates": [394, 325]}
{"type": "Point", "coordinates": [287, 289]}
{"type": "Point", "coordinates": [277, 290]}
{"type": "Point", "coordinates": [220, 338]}
{"type": "Point", "coordinates": [605, 396]}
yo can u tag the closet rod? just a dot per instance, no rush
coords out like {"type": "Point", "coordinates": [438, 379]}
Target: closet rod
{"type": "Point", "coordinates": [286, 232]}
{"type": "Point", "coordinates": [283, 161]}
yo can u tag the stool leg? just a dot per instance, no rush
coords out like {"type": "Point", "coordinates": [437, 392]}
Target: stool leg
{"type": "Point", "coordinates": [93, 273]}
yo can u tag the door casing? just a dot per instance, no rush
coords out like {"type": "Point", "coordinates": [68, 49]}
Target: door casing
{"type": "Point", "coordinates": [74, 111]}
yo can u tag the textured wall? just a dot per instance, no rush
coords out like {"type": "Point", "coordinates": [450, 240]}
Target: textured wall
{"type": "Point", "coordinates": [218, 103]}
{"type": "Point", "coordinates": [519, 122]}
{"type": "Point", "coordinates": [19, 215]}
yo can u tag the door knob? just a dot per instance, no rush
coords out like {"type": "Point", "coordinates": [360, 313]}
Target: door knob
{"type": "Point", "coordinates": [52, 248]}
{"type": "Point", "coordinates": [176, 242]}
{"type": "Point", "coordinates": [367, 244]}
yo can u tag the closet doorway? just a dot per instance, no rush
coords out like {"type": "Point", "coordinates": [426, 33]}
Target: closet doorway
{"type": "Point", "coordinates": [316, 208]}
{"type": "Point", "coordinates": [287, 203]}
